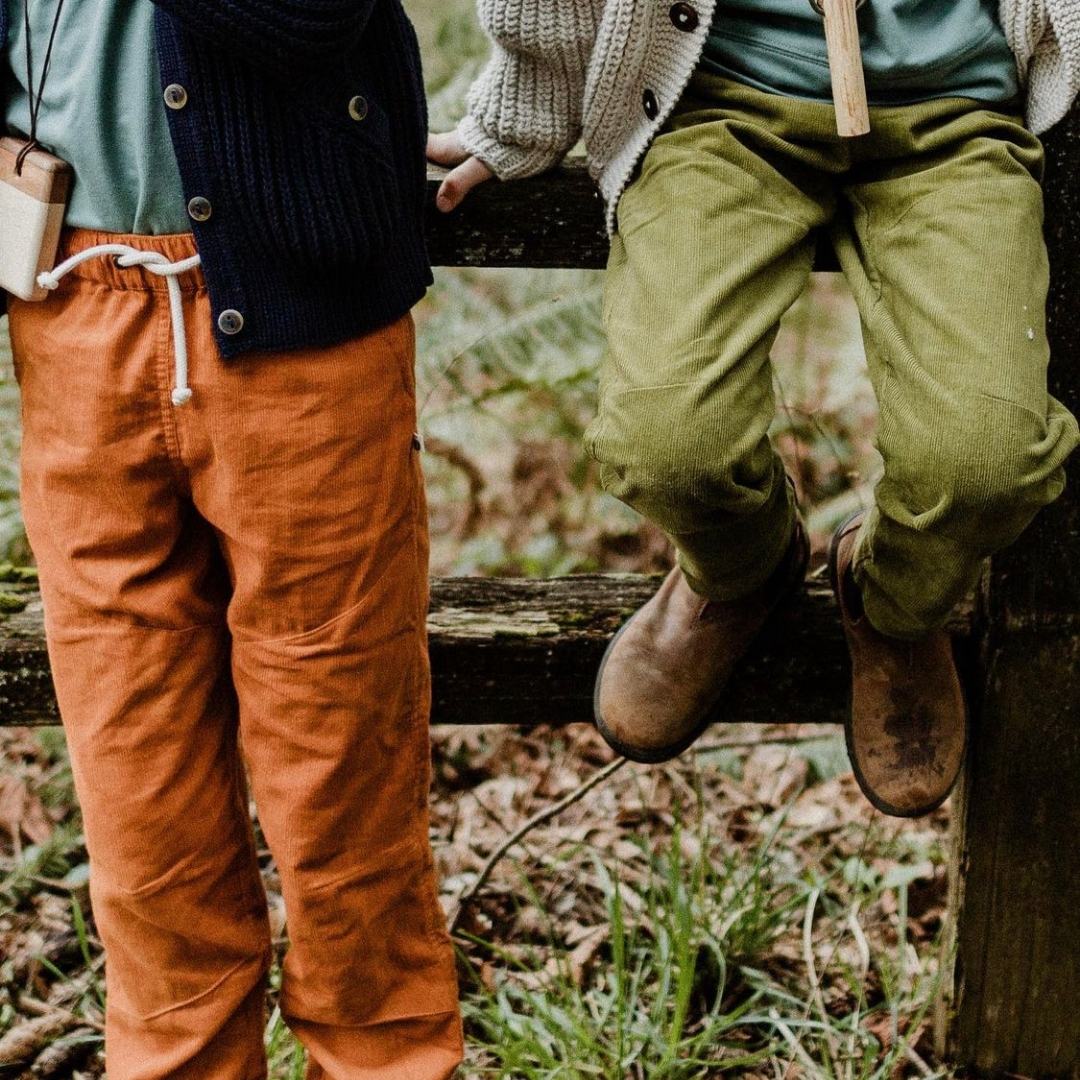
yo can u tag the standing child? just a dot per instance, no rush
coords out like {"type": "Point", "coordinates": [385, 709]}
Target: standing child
{"type": "Point", "coordinates": [222, 489]}
{"type": "Point", "coordinates": [709, 127]}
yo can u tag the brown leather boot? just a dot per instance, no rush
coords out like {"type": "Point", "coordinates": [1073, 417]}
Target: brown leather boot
{"type": "Point", "coordinates": [907, 728]}
{"type": "Point", "coordinates": [668, 666]}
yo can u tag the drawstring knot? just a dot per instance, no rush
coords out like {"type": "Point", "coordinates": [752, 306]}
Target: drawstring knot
{"type": "Point", "coordinates": [155, 263]}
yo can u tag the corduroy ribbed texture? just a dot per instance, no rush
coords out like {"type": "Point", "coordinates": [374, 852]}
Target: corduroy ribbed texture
{"type": "Point", "coordinates": [316, 234]}
{"type": "Point", "coordinates": [562, 69]}
{"type": "Point", "coordinates": [248, 570]}
{"type": "Point", "coordinates": [938, 231]}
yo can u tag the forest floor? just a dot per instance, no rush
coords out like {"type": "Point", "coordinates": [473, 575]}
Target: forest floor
{"type": "Point", "coordinates": [740, 912]}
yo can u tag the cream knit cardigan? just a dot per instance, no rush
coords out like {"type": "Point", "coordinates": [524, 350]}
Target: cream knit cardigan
{"type": "Point", "coordinates": [610, 71]}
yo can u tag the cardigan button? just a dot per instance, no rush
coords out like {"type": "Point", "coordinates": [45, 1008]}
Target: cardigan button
{"type": "Point", "coordinates": [358, 107]}
{"type": "Point", "coordinates": [230, 321]}
{"type": "Point", "coordinates": [649, 104]}
{"type": "Point", "coordinates": [175, 96]}
{"type": "Point", "coordinates": [684, 16]}
{"type": "Point", "coordinates": [199, 209]}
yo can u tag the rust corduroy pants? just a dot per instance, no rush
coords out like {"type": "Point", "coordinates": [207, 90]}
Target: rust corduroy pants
{"type": "Point", "coordinates": [249, 568]}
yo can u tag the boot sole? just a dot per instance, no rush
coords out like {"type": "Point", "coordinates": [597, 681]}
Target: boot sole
{"type": "Point", "coordinates": [783, 610]}
{"type": "Point", "coordinates": [865, 786]}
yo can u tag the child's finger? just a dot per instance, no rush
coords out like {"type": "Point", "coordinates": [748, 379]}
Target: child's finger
{"type": "Point", "coordinates": [444, 148]}
{"type": "Point", "coordinates": [460, 181]}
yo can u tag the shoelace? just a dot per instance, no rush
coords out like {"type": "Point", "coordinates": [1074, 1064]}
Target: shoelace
{"type": "Point", "coordinates": [156, 263]}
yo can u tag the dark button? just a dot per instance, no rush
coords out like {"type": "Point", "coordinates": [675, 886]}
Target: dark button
{"type": "Point", "coordinates": [199, 209]}
{"type": "Point", "coordinates": [650, 105]}
{"type": "Point", "coordinates": [358, 107]}
{"type": "Point", "coordinates": [817, 6]}
{"type": "Point", "coordinates": [175, 96]}
{"type": "Point", "coordinates": [684, 16]}
{"type": "Point", "coordinates": [230, 321]}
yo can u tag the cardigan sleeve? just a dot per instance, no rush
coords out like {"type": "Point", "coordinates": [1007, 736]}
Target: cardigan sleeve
{"type": "Point", "coordinates": [524, 110]}
{"type": "Point", "coordinates": [1045, 36]}
{"type": "Point", "coordinates": [282, 32]}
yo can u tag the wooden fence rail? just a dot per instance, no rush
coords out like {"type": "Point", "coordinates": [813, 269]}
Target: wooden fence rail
{"type": "Point", "coordinates": [507, 650]}
{"type": "Point", "coordinates": [526, 652]}
{"type": "Point", "coordinates": [553, 221]}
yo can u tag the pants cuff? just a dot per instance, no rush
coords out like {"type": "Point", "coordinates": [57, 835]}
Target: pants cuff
{"type": "Point", "coordinates": [732, 562]}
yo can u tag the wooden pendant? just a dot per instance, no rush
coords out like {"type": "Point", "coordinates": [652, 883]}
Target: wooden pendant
{"type": "Point", "coordinates": [32, 208]}
{"type": "Point", "coordinates": [846, 67]}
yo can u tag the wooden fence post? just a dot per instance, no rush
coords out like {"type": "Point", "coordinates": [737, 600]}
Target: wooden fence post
{"type": "Point", "coordinates": [1014, 1000]}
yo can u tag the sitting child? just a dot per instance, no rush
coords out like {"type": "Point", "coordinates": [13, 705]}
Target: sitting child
{"type": "Point", "coordinates": [711, 131]}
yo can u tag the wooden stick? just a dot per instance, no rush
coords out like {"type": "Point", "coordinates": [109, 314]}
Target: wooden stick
{"type": "Point", "coordinates": [845, 65]}
{"type": "Point", "coordinates": [520, 833]}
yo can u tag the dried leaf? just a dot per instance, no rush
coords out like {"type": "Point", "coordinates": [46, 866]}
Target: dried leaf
{"type": "Point", "coordinates": [22, 813]}
{"type": "Point", "coordinates": [26, 1040]}
{"type": "Point", "coordinates": [585, 951]}
{"type": "Point", "coordinates": [56, 1060]}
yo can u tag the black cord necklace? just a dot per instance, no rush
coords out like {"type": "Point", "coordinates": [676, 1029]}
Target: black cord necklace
{"type": "Point", "coordinates": [35, 99]}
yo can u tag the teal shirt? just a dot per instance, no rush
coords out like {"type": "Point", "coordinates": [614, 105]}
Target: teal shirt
{"type": "Point", "coordinates": [913, 50]}
{"type": "Point", "coordinates": [103, 111]}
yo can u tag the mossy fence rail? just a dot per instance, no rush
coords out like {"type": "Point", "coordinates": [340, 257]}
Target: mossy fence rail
{"type": "Point", "coordinates": [524, 652]}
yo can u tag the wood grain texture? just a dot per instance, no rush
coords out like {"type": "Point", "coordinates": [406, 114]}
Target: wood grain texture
{"type": "Point", "coordinates": [554, 220]}
{"type": "Point", "coordinates": [514, 651]}
{"type": "Point", "coordinates": [846, 68]}
{"type": "Point", "coordinates": [1014, 1003]}
{"type": "Point", "coordinates": [44, 177]}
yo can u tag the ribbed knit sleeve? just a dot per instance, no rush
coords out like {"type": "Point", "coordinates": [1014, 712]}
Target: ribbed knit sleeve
{"type": "Point", "coordinates": [524, 111]}
{"type": "Point", "coordinates": [1045, 35]}
{"type": "Point", "coordinates": [278, 32]}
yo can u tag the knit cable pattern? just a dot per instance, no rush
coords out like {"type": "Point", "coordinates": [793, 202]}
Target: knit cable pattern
{"type": "Point", "coordinates": [563, 69]}
{"type": "Point", "coordinates": [1045, 35]}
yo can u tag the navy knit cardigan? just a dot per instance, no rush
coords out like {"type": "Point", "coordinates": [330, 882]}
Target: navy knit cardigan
{"type": "Point", "coordinates": [305, 126]}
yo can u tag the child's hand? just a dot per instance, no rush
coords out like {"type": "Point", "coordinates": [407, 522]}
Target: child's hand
{"type": "Point", "coordinates": [466, 171]}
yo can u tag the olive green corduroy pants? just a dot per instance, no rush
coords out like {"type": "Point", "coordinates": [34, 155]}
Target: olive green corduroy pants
{"type": "Point", "coordinates": [936, 217]}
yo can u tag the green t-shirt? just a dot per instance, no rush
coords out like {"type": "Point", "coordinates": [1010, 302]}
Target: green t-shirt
{"type": "Point", "coordinates": [103, 111]}
{"type": "Point", "coordinates": [913, 50]}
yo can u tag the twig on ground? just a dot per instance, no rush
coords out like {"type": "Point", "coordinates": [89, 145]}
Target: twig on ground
{"type": "Point", "coordinates": [839, 937]}
{"type": "Point", "coordinates": [808, 949]}
{"type": "Point", "coordinates": [798, 1052]}
{"type": "Point", "coordinates": [748, 744]}
{"type": "Point", "coordinates": [817, 997]}
{"type": "Point", "coordinates": [519, 834]}
{"type": "Point", "coordinates": [860, 939]}
{"type": "Point", "coordinates": [34, 1007]}
{"type": "Point", "coordinates": [917, 1061]}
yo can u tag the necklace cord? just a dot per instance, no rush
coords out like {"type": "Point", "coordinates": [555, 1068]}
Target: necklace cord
{"type": "Point", "coordinates": [35, 99]}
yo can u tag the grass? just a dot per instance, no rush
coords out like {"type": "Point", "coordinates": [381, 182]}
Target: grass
{"type": "Point", "coordinates": [713, 957]}
{"type": "Point", "coordinates": [737, 913]}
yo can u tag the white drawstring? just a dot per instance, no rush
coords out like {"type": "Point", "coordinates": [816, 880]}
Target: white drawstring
{"type": "Point", "coordinates": [156, 263]}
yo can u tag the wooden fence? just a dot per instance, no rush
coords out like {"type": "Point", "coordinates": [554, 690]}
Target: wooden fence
{"type": "Point", "coordinates": [526, 652]}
